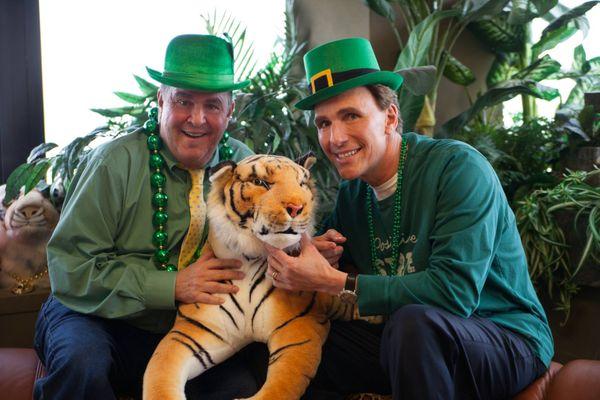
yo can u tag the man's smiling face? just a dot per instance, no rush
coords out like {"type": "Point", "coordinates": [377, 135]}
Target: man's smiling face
{"type": "Point", "coordinates": [192, 123]}
{"type": "Point", "coordinates": [352, 132]}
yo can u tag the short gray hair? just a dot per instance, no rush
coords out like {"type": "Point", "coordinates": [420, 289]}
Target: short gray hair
{"type": "Point", "coordinates": [165, 89]}
{"type": "Point", "coordinates": [384, 97]}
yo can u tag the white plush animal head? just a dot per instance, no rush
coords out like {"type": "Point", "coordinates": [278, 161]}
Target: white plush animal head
{"type": "Point", "coordinates": [30, 217]}
{"type": "Point", "coordinates": [25, 228]}
{"type": "Point", "coordinates": [263, 198]}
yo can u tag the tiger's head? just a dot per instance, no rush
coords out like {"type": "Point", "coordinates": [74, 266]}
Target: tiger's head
{"type": "Point", "coordinates": [263, 198]}
{"type": "Point", "coordinates": [25, 227]}
{"type": "Point", "coordinates": [29, 218]}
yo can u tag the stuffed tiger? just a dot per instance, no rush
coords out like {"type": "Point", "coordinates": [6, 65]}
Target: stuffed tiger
{"type": "Point", "coordinates": [25, 228]}
{"type": "Point", "coordinates": [262, 199]}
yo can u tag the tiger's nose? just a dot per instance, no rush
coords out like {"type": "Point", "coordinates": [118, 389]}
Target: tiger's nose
{"type": "Point", "coordinates": [30, 212]}
{"type": "Point", "coordinates": [293, 209]}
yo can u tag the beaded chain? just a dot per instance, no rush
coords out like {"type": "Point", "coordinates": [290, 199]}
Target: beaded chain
{"type": "Point", "coordinates": [397, 217]}
{"type": "Point", "coordinates": [157, 182]}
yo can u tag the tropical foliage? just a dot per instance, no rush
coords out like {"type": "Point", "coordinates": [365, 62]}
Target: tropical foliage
{"type": "Point", "coordinates": [432, 28]}
{"type": "Point", "coordinates": [429, 45]}
{"type": "Point", "coordinates": [544, 238]}
{"type": "Point", "coordinates": [520, 64]}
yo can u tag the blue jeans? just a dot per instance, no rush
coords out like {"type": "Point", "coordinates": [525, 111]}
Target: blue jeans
{"type": "Point", "coordinates": [423, 352]}
{"type": "Point", "coordinates": [88, 357]}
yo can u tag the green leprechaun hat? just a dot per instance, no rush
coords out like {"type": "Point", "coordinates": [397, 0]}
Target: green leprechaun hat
{"type": "Point", "coordinates": [199, 62]}
{"type": "Point", "coordinates": [337, 66]}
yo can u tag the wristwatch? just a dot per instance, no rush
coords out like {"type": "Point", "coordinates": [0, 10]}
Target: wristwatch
{"type": "Point", "coordinates": [349, 294]}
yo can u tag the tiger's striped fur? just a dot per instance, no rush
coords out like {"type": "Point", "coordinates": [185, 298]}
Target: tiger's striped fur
{"type": "Point", "coordinates": [246, 206]}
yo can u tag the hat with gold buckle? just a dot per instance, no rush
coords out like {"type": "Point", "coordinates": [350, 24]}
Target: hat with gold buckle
{"type": "Point", "coordinates": [337, 66]}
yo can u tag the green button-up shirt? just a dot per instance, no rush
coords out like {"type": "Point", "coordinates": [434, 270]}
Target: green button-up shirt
{"type": "Point", "coordinates": [100, 255]}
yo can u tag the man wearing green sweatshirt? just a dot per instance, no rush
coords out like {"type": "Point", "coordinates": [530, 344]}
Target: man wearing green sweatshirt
{"type": "Point", "coordinates": [427, 240]}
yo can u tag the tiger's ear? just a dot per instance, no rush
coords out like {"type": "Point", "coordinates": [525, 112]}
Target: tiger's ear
{"type": "Point", "coordinates": [307, 160]}
{"type": "Point", "coordinates": [223, 169]}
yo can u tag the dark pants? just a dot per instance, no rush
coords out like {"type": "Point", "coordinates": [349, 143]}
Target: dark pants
{"type": "Point", "coordinates": [423, 352]}
{"type": "Point", "coordinates": [87, 357]}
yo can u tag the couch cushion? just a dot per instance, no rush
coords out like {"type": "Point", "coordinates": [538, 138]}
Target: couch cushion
{"type": "Point", "coordinates": [577, 380]}
{"type": "Point", "coordinates": [539, 388]}
{"type": "Point", "coordinates": [19, 368]}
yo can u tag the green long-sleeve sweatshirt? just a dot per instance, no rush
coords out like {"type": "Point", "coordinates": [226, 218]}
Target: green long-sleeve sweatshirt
{"type": "Point", "coordinates": [460, 249]}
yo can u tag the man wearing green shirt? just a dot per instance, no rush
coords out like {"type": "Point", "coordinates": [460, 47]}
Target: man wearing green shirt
{"type": "Point", "coordinates": [427, 240]}
{"type": "Point", "coordinates": [113, 256]}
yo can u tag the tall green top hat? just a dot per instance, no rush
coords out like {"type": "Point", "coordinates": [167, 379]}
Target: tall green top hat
{"type": "Point", "coordinates": [198, 62]}
{"type": "Point", "coordinates": [337, 66]}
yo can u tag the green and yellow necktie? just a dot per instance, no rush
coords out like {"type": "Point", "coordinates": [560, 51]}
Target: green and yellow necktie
{"type": "Point", "coordinates": [197, 219]}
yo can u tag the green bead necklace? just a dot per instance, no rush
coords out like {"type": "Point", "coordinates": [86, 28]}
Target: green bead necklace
{"type": "Point", "coordinates": [157, 183]}
{"type": "Point", "coordinates": [397, 217]}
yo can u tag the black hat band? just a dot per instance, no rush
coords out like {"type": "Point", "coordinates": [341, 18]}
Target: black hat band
{"type": "Point", "coordinates": [324, 79]}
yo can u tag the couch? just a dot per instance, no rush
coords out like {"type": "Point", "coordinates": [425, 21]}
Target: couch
{"type": "Point", "coordinates": [577, 380]}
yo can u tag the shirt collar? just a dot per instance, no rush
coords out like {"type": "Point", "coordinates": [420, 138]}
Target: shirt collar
{"type": "Point", "coordinates": [170, 159]}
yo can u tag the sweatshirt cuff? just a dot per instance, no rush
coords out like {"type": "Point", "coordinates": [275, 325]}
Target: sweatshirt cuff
{"type": "Point", "coordinates": [159, 291]}
{"type": "Point", "coordinates": [373, 295]}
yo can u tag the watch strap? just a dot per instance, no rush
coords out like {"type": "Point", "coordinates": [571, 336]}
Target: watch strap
{"type": "Point", "coordinates": [351, 282]}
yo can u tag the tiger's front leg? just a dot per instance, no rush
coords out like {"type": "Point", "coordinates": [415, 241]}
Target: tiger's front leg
{"type": "Point", "coordinates": [189, 349]}
{"type": "Point", "coordinates": [294, 356]}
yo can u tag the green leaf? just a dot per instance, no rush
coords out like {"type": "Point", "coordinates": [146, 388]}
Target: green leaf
{"type": "Point", "coordinates": [496, 95]}
{"type": "Point", "coordinates": [555, 12]}
{"type": "Point", "coordinates": [146, 87]}
{"type": "Point", "coordinates": [563, 27]}
{"type": "Point", "coordinates": [457, 72]}
{"type": "Point", "coordinates": [410, 109]}
{"type": "Point", "coordinates": [16, 180]}
{"type": "Point", "coordinates": [276, 142]}
{"type": "Point", "coordinates": [521, 12]}
{"type": "Point", "coordinates": [416, 50]}
{"type": "Point", "coordinates": [57, 167]}
{"type": "Point", "coordinates": [40, 151]}
{"type": "Point", "coordinates": [575, 98]}
{"type": "Point", "coordinates": [539, 70]}
{"type": "Point", "coordinates": [551, 39]}
{"type": "Point", "coordinates": [502, 69]}
{"type": "Point", "coordinates": [250, 143]}
{"type": "Point", "coordinates": [475, 9]}
{"type": "Point", "coordinates": [37, 174]}
{"type": "Point", "coordinates": [498, 34]}
{"type": "Point", "coordinates": [75, 151]}
{"type": "Point", "coordinates": [418, 80]}
{"type": "Point", "coordinates": [131, 98]}
{"type": "Point", "coordinates": [579, 59]}
{"type": "Point", "coordinates": [382, 7]}
{"type": "Point", "coordinates": [227, 25]}
{"type": "Point", "coordinates": [594, 63]}
{"type": "Point", "coordinates": [525, 10]}
{"type": "Point", "coordinates": [543, 6]}
{"type": "Point", "coordinates": [583, 84]}
{"type": "Point", "coordinates": [573, 15]}
{"type": "Point", "coordinates": [290, 26]}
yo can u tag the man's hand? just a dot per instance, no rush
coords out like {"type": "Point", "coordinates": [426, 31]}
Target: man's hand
{"type": "Point", "coordinates": [328, 245]}
{"type": "Point", "coordinates": [203, 280]}
{"type": "Point", "coordinates": [309, 271]}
